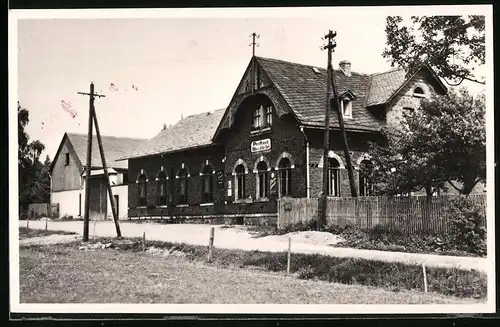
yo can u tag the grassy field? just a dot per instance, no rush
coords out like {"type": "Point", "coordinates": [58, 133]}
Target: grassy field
{"type": "Point", "coordinates": [64, 274]}
{"type": "Point", "coordinates": [29, 233]}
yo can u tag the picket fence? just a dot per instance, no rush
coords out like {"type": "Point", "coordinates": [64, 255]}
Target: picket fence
{"type": "Point", "coordinates": [408, 214]}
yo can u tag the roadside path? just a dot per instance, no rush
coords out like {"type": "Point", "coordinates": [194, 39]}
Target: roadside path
{"type": "Point", "coordinates": [238, 238]}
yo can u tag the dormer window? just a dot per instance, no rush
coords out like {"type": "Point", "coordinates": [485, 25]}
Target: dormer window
{"type": "Point", "coordinates": [346, 107]}
{"type": "Point", "coordinates": [418, 92]}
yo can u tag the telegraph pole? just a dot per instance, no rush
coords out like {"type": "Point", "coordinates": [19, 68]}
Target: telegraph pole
{"type": "Point", "coordinates": [106, 175]}
{"type": "Point", "coordinates": [335, 103]}
{"type": "Point", "coordinates": [326, 142]}
{"type": "Point", "coordinates": [88, 167]}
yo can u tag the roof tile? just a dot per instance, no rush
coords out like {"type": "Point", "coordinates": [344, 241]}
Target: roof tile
{"type": "Point", "coordinates": [192, 131]}
{"type": "Point", "coordinates": [114, 148]}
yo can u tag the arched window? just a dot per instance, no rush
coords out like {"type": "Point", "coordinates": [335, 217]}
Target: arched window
{"type": "Point", "coordinates": [239, 192]}
{"type": "Point", "coordinates": [365, 172]}
{"type": "Point", "coordinates": [333, 177]}
{"type": "Point", "coordinates": [285, 177]}
{"type": "Point", "coordinates": [207, 180]}
{"type": "Point", "coordinates": [262, 180]}
{"type": "Point", "coordinates": [183, 186]}
{"type": "Point", "coordinates": [142, 185]}
{"type": "Point", "coordinates": [418, 92]}
{"type": "Point", "coordinates": [162, 188]}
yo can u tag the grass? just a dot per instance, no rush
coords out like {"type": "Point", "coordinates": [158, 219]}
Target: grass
{"type": "Point", "coordinates": [390, 276]}
{"type": "Point", "coordinates": [63, 274]}
{"type": "Point", "coordinates": [29, 233]}
{"type": "Point", "coordinates": [382, 240]}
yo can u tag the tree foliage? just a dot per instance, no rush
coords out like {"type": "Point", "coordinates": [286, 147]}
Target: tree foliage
{"type": "Point", "coordinates": [34, 179]}
{"type": "Point", "coordinates": [451, 45]}
{"type": "Point", "coordinates": [442, 141]}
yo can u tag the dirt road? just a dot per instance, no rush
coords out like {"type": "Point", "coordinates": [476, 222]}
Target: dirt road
{"type": "Point", "coordinates": [239, 238]}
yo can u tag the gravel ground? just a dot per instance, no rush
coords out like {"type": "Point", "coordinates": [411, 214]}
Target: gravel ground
{"type": "Point", "coordinates": [239, 238]}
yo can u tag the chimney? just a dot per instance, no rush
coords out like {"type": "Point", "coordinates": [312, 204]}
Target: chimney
{"type": "Point", "coordinates": [345, 67]}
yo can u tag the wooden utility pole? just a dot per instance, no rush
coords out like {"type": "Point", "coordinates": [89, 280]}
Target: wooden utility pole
{"type": "Point", "coordinates": [335, 102]}
{"type": "Point", "coordinates": [106, 175]}
{"type": "Point", "coordinates": [88, 166]}
{"type": "Point", "coordinates": [326, 142]}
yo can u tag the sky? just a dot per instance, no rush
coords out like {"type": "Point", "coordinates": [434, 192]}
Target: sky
{"type": "Point", "coordinates": [179, 65]}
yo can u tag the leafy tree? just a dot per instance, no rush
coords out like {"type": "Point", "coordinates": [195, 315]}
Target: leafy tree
{"type": "Point", "coordinates": [451, 45]}
{"type": "Point", "coordinates": [443, 141]}
{"type": "Point", "coordinates": [34, 179]}
{"type": "Point", "coordinates": [164, 127]}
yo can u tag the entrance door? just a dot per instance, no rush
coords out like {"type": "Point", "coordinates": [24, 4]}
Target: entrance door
{"type": "Point", "coordinates": [97, 199]}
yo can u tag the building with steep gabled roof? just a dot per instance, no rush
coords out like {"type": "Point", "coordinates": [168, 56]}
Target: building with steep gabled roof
{"type": "Point", "coordinates": [67, 172]}
{"type": "Point", "coordinates": [233, 164]}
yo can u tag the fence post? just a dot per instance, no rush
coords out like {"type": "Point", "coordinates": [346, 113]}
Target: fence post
{"type": "Point", "coordinates": [28, 222]}
{"type": "Point", "coordinates": [289, 255]}
{"type": "Point", "coordinates": [211, 244]}
{"type": "Point", "coordinates": [143, 241]}
{"type": "Point", "coordinates": [46, 222]}
{"type": "Point", "coordinates": [425, 277]}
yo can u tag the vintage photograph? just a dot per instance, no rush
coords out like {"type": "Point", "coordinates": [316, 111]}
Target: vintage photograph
{"type": "Point", "coordinates": [335, 158]}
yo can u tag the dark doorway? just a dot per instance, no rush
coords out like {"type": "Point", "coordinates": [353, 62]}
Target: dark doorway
{"type": "Point", "coordinates": [117, 204]}
{"type": "Point", "coordinates": [239, 220]}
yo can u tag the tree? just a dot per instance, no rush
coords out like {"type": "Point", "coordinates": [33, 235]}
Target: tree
{"type": "Point", "coordinates": [442, 141]}
{"type": "Point", "coordinates": [451, 45]}
{"type": "Point", "coordinates": [34, 179]}
{"type": "Point", "coordinates": [164, 127]}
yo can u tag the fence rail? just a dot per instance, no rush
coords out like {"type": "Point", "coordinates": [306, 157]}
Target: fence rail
{"type": "Point", "coordinates": [408, 214]}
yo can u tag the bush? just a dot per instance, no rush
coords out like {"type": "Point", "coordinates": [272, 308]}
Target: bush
{"type": "Point", "coordinates": [467, 231]}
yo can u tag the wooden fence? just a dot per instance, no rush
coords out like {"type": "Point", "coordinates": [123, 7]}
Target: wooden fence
{"type": "Point", "coordinates": [38, 210]}
{"type": "Point", "coordinates": [408, 214]}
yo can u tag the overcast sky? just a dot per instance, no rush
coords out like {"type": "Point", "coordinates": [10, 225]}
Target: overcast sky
{"type": "Point", "coordinates": [180, 66]}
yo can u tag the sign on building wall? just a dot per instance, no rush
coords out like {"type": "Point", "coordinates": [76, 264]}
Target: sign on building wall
{"type": "Point", "coordinates": [220, 179]}
{"type": "Point", "coordinates": [229, 189]}
{"type": "Point", "coordinates": [261, 145]}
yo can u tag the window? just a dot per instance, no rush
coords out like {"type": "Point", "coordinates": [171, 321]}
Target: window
{"type": "Point", "coordinates": [142, 184]}
{"type": "Point", "coordinates": [125, 178]}
{"type": "Point", "coordinates": [285, 177]}
{"type": "Point", "coordinates": [346, 105]}
{"type": "Point", "coordinates": [240, 182]}
{"type": "Point", "coordinates": [262, 117]}
{"type": "Point", "coordinates": [365, 171]}
{"type": "Point", "coordinates": [333, 177]}
{"type": "Point", "coordinates": [162, 188]}
{"type": "Point", "coordinates": [262, 180]}
{"type": "Point", "coordinates": [207, 178]}
{"type": "Point", "coordinates": [183, 191]}
{"type": "Point", "coordinates": [418, 92]}
{"type": "Point", "coordinates": [257, 118]}
{"type": "Point", "coordinates": [66, 162]}
{"type": "Point", "coordinates": [269, 116]}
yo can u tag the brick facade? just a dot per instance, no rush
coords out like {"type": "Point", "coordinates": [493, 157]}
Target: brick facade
{"type": "Point", "coordinates": [234, 146]}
